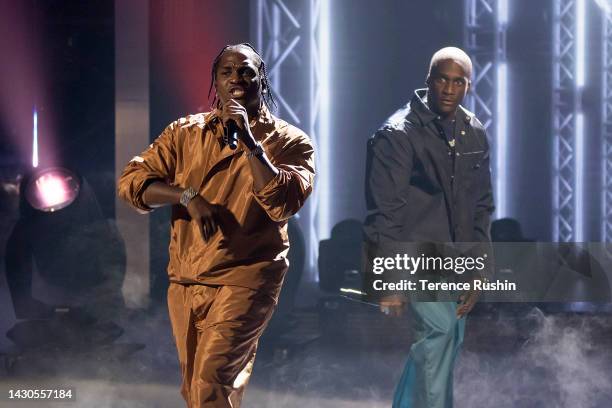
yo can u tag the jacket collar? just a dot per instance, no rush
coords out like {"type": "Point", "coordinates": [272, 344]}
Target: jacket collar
{"type": "Point", "coordinates": [418, 107]}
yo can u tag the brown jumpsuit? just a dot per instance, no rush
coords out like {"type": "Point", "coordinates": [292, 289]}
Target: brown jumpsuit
{"type": "Point", "coordinates": [222, 292]}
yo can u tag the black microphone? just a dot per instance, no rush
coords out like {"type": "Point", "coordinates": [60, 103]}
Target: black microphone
{"type": "Point", "coordinates": [232, 134]}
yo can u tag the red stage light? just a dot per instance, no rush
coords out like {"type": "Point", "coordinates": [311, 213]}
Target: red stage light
{"type": "Point", "coordinates": [52, 189]}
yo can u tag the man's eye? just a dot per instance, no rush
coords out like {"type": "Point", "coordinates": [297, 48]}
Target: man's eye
{"type": "Point", "coordinates": [459, 82]}
{"type": "Point", "coordinates": [248, 73]}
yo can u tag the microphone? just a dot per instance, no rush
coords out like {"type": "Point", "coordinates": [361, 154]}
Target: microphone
{"type": "Point", "coordinates": [232, 134]}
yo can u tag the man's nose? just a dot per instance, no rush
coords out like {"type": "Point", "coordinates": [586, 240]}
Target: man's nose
{"type": "Point", "coordinates": [449, 88]}
{"type": "Point", "coordinates": [234, 76]}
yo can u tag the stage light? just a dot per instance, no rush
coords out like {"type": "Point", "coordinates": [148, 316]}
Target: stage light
{"type": "Point", "coordinates": [579, 153]}
{"type": "Point", "coordinates": [325, 147]}
{"type": "Point", "coordinates": [580, 43]}
{"type": "Point", "coordinates": [502, 154]}
{"type": "Point", "coordinates": [604, 5]}
{"type": "Point", "coordinates": [579, 181]}
{"type": "Point", "coordinates": [35, 138]}
{"type": "Point", "coordinates": [501, 143]}
{"type": "Point", "coordinates": [502, 12]}
{"type": "Point", "coordinates": [606, 116]}
{"type": "Point", "coordinates": [52, 189]}
{"type": "Point", "coordinates": [320, 225]}
{"type": "Point", "coordinates": [75, 256]}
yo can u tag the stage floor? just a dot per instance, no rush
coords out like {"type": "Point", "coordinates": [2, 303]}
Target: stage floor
{"type": "Point", "coordinates": [560, 360]}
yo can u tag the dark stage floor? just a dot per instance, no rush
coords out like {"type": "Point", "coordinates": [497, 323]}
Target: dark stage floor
{"type": "Point", "coordinates": [350, 357]}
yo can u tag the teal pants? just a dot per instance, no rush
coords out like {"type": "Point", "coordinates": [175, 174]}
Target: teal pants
{"type": "Point", "coordinates": [427, 380]}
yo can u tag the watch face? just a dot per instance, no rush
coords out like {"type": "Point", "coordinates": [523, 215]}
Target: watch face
{"type": "Point", "coordinates": [187, 195]}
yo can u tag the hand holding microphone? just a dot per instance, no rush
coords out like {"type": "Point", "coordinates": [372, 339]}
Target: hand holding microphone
{"type": "Point", "coordinates": [235, 119]}
{"type": "Point", "coordinates": [232, 133]}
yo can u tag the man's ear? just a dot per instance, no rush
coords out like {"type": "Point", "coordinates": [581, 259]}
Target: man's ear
{"type": "Point", "coordinates": [427, 80]}
{"type": "Point", "coordinates": [469, 86]}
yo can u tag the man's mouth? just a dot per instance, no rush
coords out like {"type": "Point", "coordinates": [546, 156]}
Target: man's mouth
{"type": "Point", "coordinates": [237, 92]}
{"type": "Point", "coordinates": [447, 102]}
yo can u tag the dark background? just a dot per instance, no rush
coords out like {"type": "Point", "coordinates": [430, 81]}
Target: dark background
{"type": "Point", "coordinates": [60, 56]}
{"type": "Point", "coordinates": [380, 54]}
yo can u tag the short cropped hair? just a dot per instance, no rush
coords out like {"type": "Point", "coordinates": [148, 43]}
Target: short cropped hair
{"type": "Point", "coordinates": [452, 53]}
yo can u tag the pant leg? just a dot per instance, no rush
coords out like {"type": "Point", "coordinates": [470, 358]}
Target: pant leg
{"type": "Point", "coordinates": [216, 329]}
{"type": "Point", "coordinates": [225, 353]}
{"type": "Point", "coordinates": [427, 380]}
{"type": "Point", "coordinates": [185, 303]}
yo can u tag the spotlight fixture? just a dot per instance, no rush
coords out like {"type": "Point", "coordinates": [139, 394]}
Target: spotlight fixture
{"type": "Point", "coordinates": [52, 189]}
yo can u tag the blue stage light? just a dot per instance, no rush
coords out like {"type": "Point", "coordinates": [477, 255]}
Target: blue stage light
{"type": "Point", "coordinates": [501, 144]}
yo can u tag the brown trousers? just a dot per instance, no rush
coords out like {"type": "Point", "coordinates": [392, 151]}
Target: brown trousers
{"type": "Point", "coordinates": [216, 329]}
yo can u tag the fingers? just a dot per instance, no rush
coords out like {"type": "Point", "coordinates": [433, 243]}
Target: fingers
{"type": "Point", "coordinates": [206, 225]}
{"type": "Point", "coordinates": [200, 225]}
{"type": "Point", "coordinates": [461, 311]}
{"type": "Point", "coordinates": [466, 305]}
{"type": "Point", "coordinates": [212, 228]}
{"type": "Point", "coordinates": [232, 110]}
{"type": "Point", "coordinates": [205, 217]}
{"type": "Point", "coordinates": [392, 308]}
{"type": "Point", "coordinates": [385, 306]}
{"type": "Point", "coordinates": [233, 103]}
{"type": "Point", "coordinates": [209, 227]}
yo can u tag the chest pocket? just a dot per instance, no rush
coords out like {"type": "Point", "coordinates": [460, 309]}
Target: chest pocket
{"type": "Point", "coordinates": [472, 160]}
{"type": "Point", "coordinates": [471, 164]}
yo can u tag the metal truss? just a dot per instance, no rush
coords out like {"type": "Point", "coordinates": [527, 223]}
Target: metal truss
{"type": "Point", "coordinates": [565, 101]}
{"type": "Point", "coordinates": [485, 42]}
{"type": "Point", "coordinates": [482, 41]}
{"type": "Point", "coordinates": [606, 127]}
{"type": "Point", "coordinates": [286, 31]}
{"type": "Point", "coordinates": [280, 38]}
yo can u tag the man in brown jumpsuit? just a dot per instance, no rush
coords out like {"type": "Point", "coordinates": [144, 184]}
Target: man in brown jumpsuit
{"type": "Point", "coordinates": [230, 208]}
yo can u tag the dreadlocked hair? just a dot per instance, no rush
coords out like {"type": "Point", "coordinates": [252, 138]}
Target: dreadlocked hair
{"type": "Point", "coordinates": [266, 89]}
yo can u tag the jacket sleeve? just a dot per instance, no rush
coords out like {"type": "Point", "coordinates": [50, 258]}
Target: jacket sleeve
{"type": "Point", "coordinates": [482, 218]}
{"type": "Point", "coordinates": [285, 194]}
{"type": "Point", "coordinates": [158, 162]}
{"type": "Point", "coordinates": [390, 158]}
{"type": "Point", "coordinates": [484, 203]}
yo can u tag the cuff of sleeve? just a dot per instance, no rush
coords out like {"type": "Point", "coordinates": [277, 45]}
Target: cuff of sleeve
{"type": "Point", "coordinates": [138, 201]}
{"type": "Point", "coordinates": [270, 187]}
{"type": "Point", "coordinates": [270, 199]}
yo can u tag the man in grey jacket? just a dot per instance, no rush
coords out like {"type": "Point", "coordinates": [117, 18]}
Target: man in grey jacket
{"type": "Point", "coordinates": [428, 181]}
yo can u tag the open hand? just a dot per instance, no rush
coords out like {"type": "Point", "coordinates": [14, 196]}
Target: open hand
{"type": "Point", "coordinates": [203, 214]}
